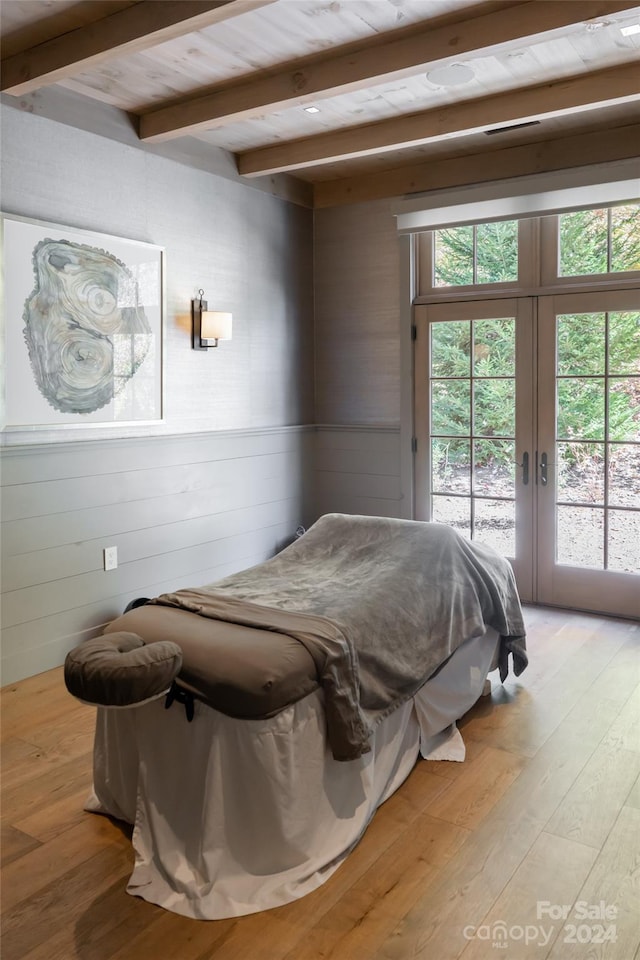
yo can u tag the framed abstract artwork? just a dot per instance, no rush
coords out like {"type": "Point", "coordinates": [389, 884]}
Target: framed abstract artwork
{"type": "Point", "coordinates": [83, 327]}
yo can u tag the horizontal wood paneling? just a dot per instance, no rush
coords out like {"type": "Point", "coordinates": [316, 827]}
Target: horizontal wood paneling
{"type": "Point", "coordinates": [85, 459]}
{"type": "Point", "coordinates": [357, 470]}
{"type": "Point", "coordinates": [166, 555]}
{"type": "Point", "coordinates": [59, 496]}
{"type": "Point", "coordinates": [100, 523]}
{"type": "Point", "coordinates": [361, 485]}
{"type": "Point", "coordinates": [47, 639]}
{"type": "Point", "coordinates": [181, 510]}
{"type": "Point", "coordinates": [38, 645]}
{"type": "Point", "coordinates": [40, 566]}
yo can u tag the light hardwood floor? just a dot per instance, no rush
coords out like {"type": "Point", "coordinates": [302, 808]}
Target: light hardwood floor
{"type": "Point", "coordinates": [546, 809]}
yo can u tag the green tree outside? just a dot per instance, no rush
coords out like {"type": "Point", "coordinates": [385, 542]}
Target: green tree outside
{"type": "Point", "coordinates": [591, 242]}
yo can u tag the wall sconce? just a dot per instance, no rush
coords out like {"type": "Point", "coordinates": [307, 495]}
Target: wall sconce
{"type": "Point", "coordinates": [208, 326]}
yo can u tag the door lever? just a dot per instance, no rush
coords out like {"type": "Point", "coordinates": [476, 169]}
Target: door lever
{"type": "Point", "coordinates": [543, 470]}
{"type": "Point", "coordinates": [525, 467]}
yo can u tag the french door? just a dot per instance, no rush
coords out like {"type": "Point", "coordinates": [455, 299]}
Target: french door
{"type": "Point", "coordinates": [474, 424]}
{"type": "Point", "coordinates": [589, 429]}
{"type": "Point", "coordinates": [528, 439]}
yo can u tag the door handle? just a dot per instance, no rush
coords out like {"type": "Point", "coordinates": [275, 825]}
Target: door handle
{"type": "Point", "coordinates": [525, 467]}
{"type": "Point", "coordinates": [544, 479]}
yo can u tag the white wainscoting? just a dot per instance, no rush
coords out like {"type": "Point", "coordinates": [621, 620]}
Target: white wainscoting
{"type": "Point", "coordinates": [357, 470]}
{"type": "Point", "coordinates": [182, 510]}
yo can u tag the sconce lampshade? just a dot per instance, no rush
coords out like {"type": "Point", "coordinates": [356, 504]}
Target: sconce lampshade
{"type": "Point", "coordinates": [208, 326]}
{"type": "Point", "coordinates": [216, 325]}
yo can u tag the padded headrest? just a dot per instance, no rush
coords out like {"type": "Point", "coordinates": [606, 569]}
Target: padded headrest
{"type": "Point", "coordinates": [120, 670]}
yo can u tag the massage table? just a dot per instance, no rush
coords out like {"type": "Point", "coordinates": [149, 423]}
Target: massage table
{"type": "Point", "coordinates": [249, 758]}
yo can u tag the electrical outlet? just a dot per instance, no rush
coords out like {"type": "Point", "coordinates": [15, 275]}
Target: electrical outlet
{"type": "Point", "coordinates": [110, 558]}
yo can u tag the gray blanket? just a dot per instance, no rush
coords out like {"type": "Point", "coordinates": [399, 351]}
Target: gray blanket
{"type": "Point", "coordinates": [379, 603]}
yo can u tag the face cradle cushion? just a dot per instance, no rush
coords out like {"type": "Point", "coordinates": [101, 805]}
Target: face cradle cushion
{"type": "Point", "coordinates": [241, 671]}
{"type": "Point", "coordinates": [120, 670]}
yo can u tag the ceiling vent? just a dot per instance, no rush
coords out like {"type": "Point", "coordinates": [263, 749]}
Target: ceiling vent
{"type": "Point", "coordinates": [513, 126]}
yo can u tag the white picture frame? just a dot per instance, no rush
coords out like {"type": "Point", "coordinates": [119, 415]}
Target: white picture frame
{"type": "Point", "coordinates": [83, 327]}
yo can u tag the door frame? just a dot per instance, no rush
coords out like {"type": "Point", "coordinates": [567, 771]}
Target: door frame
{"type": "Point", "coordinates": [540, 579]}
{"type": "Point", "coordinates": [561, 584]}
{"type": "Point", "coordinates": [523, 310]}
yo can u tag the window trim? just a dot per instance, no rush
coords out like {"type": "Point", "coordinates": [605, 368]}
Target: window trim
{"type": "Point", "coordinates": [538, 267]}
{"type": "Point", "coordinates": [528, 267]}
{"type": "Point", "coordinates": [536, 195]}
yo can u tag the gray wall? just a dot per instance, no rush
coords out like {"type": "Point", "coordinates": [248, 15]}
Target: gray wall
{"type": "Point", "coordinates": [251, 252]}
{"type": "Point", "coordinates": [182, 511]}
{"type": "Point", "coordinates": [224, 480]}
{"type": "Point", "coordinates": [358, 352]}
{"type": "Point", "coordinates": [357, 470]}
{"type": "Point", "coordinates": [357, 315]}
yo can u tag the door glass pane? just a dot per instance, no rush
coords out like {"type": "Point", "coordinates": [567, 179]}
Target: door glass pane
{"type": "Point", "coordinates": [580, 536]}
{"type": "Point", "coordinates": [598, 401]}
{"type": "Point", "coordinates": [624, 540]}
{"type": "Point", "coordinates": [454, 511]}
{"type": "Point", "coordinates": [450, 407]}
{"type": "Point", "coordinates": [494, 413]}
{"type": "Point", "coordinates": [624, 408]}
{"type": "Point", "coordinates": [462, 391]}
{"type": "Point", "coordinates": [450, 349]}
{"type": "Point", "coordinates": [625, 237]}
{"type": "Point", "coordinates": [581, 344]}
{"type": "Point", "coordinates": [451, 466]}
{"type": "Point", "coordinates": [624, 342]}
{"type": "Point", "coordinates": [494, 348]}
{"type": "Point", "coordinates": [497, 251]}
{"type": "Point", "coordinates": [494, 472]}
{"type": "Point", "coordinates": [494, 523]}
{"type": "Point", "coordinates": [580, 472]}
{"type": "Point", "coordinates": [624, 476]}
{"type": "Point", "coordinates": [581, 409]}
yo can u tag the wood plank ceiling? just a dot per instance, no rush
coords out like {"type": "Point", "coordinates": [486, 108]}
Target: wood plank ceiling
{"type": "Point", "coordinates": [406, 95]}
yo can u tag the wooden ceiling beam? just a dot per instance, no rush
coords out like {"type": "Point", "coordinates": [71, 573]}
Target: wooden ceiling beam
{"type": "Point", "coordinates": [603, 145]}
{"type": "Point", "coordinates": [143, 25]}
{"type": "Point", "coordinates": [555, 98]}
{"type": "Point", "coordinates": [308, 81]}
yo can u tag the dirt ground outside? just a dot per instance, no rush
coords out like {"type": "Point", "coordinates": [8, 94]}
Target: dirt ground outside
{"type": "Point", "coordinates": [580, 513]}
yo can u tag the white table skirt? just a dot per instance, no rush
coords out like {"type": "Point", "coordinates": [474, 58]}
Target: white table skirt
{"type": "Point", "coordinates": [236, 816]}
